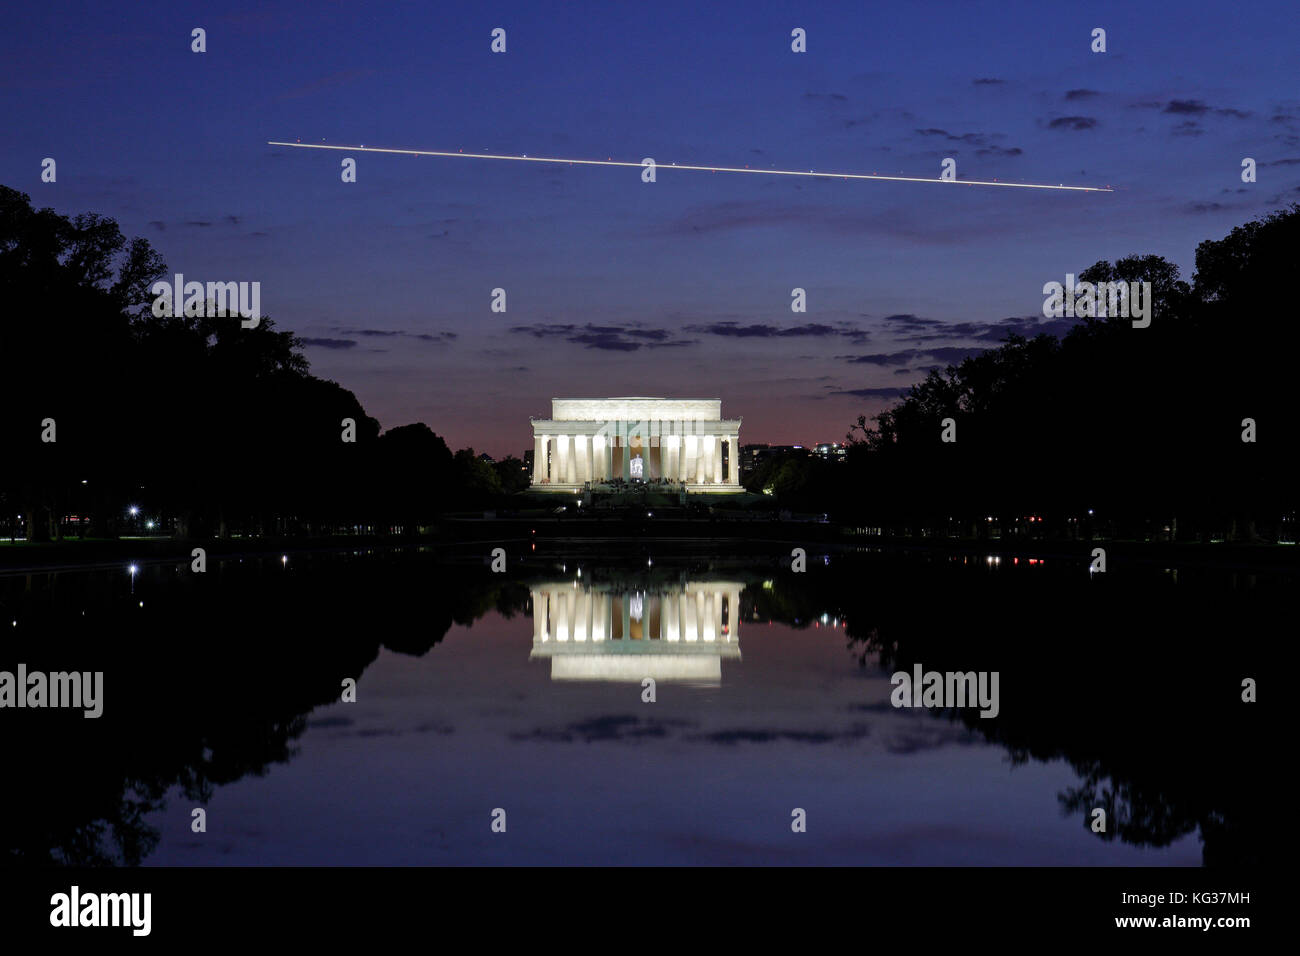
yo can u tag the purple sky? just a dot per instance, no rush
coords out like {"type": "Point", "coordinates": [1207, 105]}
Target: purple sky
{"type": "Point", "coordinates": [677, 288]}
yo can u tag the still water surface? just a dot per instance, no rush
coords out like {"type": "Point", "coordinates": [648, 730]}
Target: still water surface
{"type": "Point", "coordinates": [524, 693]}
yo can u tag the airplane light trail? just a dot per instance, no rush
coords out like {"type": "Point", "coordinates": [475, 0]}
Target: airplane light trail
{"type": "Point", "coordinates": [710, 169]}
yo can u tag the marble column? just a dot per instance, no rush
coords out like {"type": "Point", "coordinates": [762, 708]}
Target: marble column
{"type": "Point", "coordinates": [561, 618]}
{"type": "Point", "coordinates": [598, 617]}
{"type": "Point", "coordinates": [716, 443]}
{"type": "Point", "coordinates": [733, 620]}
{"type": "Point", "coordinates": [561, 460]}
{"type": "Point", "coordinates": [581, 615]}
{"type": "Point", "coordinates": [539, 462]}
{"type": "Point", "coordinates": [717, 615]}
{"type": "Point", "coordinates": [734, 451]}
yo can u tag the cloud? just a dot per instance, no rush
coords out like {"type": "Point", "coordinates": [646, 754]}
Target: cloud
{"type": "Point", "coordinates": [971, 139]}
{"type": "Point", "coordinates": [929, 737]}
{"type": "Point", "coordinates": [1199, 108]}
{"type": "Point", "coordinates": [329, 343]}
{"type": "Point", "coordinates": [1188, 128]}
{"type": "Point", "coordinates": [986, 143]}
{"type": "Point", "coordinates": [908, 320]}
{"type": "Point", "coordinates": [730, 738]}
{"type": "Point", "coordinates": [987, 81]}
{"type": "Point", "coordinates": [1073, 122]}
{"type": "Point", "coordinates": [769, 330]}
{"type": "Point", "coordinates": [886, 358]}
{"type": "Point", "coordinates": [389, 333]}
{"type": "Point", "coordinates": [931, 330]}
{"type": "Point", "coordinates": [609, 341]}
{"type": "Point", "coordinates": [227, 219]}
{"type": "Point", "coordinates": [874, 392]}
{"type": "Point", "coordinates": [950, 354]}
{"type": "Point", "coordinates": [609, 338]}
{"type": "Point", "coordinates": [1080, 94]}
{"type": "Point", "coordinates": [612, 727]}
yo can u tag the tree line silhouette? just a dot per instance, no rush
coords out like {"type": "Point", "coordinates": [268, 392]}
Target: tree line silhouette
{"type": "Point", "coordinates": [1111, 429]}
{"type": "Point", "coordinates": [220, 429]}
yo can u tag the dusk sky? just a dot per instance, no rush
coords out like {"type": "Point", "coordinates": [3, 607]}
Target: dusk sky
{"type": "Point", "coordinates": [680, 288]}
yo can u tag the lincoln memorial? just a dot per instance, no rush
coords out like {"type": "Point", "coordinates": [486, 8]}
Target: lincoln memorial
{"type": "Point", "coordinates": [677, 441]}
{"type": "Point", "coordinates": [671, 632]}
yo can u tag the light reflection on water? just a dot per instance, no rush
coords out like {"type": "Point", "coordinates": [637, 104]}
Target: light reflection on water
{"type": "Point", "coordinates": [527, 692]}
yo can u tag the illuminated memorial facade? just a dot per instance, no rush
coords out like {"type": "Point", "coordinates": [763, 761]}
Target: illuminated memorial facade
{"type": "Point", "coordinates": [675, 441]}
{"type": "Point", "coordinates": [679, 632]}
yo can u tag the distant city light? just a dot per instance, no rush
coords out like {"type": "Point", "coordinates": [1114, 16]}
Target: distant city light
{"type": "Point", "coordinates": [134, 510]}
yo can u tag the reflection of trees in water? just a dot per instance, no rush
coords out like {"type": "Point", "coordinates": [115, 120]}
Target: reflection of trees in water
{"type": "Point", "coordinates": [213, 684]}
{"type": "Point", "coordinates": [1133, 680]}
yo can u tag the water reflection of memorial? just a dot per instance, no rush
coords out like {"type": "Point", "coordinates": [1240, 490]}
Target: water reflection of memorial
{"type": "Point", "coordinates": [670, 631]}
